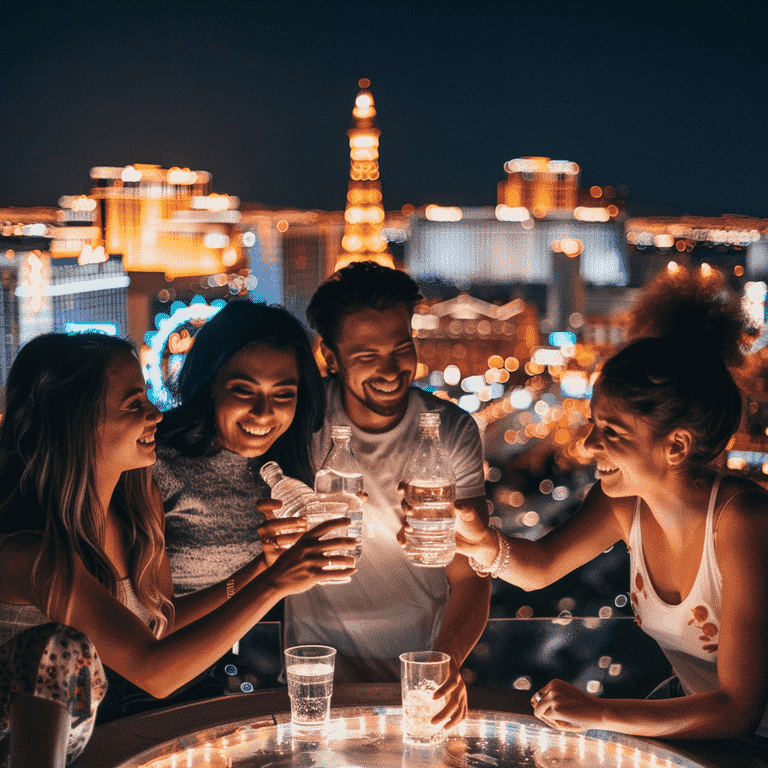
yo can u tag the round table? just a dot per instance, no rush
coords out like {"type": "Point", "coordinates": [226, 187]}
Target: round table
{"type": "Point", "coordinates": [364, 733]}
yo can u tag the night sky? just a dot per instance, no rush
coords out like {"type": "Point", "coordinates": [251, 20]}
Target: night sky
{"type": "Point", "coordinates": [668, 99]}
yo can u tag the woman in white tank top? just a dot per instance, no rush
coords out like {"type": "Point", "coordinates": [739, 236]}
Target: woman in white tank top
{"type": "Point", "coordinates": [663, 410]}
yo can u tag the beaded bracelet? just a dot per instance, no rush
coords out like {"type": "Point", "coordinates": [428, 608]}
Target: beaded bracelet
{"type": "Point", "coordinates": [499, 564]}
{"type": "Point", "coordinates": [500, 567]}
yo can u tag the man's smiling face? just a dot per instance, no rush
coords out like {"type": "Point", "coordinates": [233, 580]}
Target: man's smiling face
{"type": "Point", "coordinates": [375, 358]}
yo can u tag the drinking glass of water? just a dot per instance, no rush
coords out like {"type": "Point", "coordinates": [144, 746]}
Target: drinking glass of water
{"type": "Point", "coordinates": [421, 674]}
{"type": "Point", "coordinates": [318, 512]}
{"type": "Point", "coordinates": [309, 669]}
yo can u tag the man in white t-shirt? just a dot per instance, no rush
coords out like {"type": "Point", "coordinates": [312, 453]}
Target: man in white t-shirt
{"type": "Point", "coordinates": [363, 315]}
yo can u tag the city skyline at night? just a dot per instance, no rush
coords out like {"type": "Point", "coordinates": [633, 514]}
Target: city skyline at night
{"type": "Point", "coordinates": [667, 105]}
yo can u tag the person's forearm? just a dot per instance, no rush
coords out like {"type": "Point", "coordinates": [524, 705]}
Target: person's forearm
{"type": "Point", "coordinates": [523, 564]}
{"type": "Point", "coordinates": [165, 664]}
{"type": "Point", "coordinates": [465, 618]}
{"type": "Point", "coordinates": [705, 715]}
{"type": "Point", "coordinates": [191, 607]}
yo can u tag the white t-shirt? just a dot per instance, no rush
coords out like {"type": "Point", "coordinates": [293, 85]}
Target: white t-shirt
{"type": "Point", "coordinates": [390, 606]}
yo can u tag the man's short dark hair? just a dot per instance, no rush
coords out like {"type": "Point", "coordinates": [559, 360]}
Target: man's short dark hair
{"type": "Point", "coordinates": [361, 285]}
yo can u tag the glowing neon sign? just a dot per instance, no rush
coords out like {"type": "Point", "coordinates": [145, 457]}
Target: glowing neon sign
{"type": "Point", "coordinates": [167, 325]}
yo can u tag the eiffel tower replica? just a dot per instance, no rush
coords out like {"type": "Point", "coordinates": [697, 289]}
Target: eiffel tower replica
{"type": "Point", "coordinates": [364, 213]}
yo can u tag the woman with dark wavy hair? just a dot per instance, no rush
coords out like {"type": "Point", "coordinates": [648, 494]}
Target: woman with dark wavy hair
{"type": "Point", "coordinates": [663, 410]}
{"type": "Point", "coordinates": [84, 576]}
{"type": "Point", "coordinates": [249, 392]}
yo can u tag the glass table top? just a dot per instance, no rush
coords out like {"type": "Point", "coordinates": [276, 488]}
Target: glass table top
{"type": "Point", "coordinates": [371, 737]}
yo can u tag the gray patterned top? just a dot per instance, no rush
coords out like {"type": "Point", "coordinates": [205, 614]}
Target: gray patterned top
{"type": "Point", "coordinates": [210, 515]}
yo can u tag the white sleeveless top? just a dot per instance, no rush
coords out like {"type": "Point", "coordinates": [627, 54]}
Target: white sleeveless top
{"type": "Point", "coordinates": [687, 633]}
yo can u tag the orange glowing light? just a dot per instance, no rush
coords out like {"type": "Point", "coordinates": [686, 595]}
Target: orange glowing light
{"type": "Point", "coordinates": [583, 213]}
{"type": "Point", "coordinates": [364, 100]}
{"type": "Point", "coordinates": [673, 267]}
{"type": "Point", "coordinates": [181, 176]}
{"type": "Point", "coordinates": [571, 247]}
{"type": "Point", "coordinates": [495, 361]}
{"type": "Point", "coordinates": [509, 213]}
{"type": "Point", "coordinates": [35, 281]}
{"type": "Point", "coordinates": [89, 255]}
{"type": "Point", "coordinates": [443, 213]}
{"type": "Point", "coordinates": [408, 209]}
{"type": "Point", "coordinates": [706, 270]}
{"type": "Point", "coordinates": [282, 225]}
{"type": "Point", "coordinates": [364, 82]}
{"type": "Point", "coordinates": [130, 174]}
{"type": "Point", "coordinates": [738, 270]}
{"type": "Point", "coordinates": [736, 463]}
{"type": "Point", "coordinates": [596, 191]}
{"type": "Point", "coordinates": [216, 203]}
{"type": "Point", "coordinates": [82, 203]}
{"type": "Point", "coordinates": [352, 243]}
{"type": "Point", "coordinates": [562, 436]}
{"type": "Point", "coordinates": [180, 343]}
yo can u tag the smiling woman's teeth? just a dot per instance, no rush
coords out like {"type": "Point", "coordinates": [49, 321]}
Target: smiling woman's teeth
{"type": "Point", "coordinates": [256, 431]}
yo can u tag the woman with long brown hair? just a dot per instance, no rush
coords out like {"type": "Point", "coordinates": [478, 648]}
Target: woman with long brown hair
{"type": "Point", "coordinates": [82, 548]}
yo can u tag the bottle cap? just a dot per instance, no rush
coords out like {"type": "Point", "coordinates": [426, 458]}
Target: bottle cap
{"type": "Point", "coordinates": [341, 431]}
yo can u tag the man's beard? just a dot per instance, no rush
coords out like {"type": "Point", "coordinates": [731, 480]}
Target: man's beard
{"type": "Point", "coordinates": [386, 409]}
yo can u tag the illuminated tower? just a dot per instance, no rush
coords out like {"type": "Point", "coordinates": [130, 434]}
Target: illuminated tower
{"type": "Point", "coordinates": [364, 215]}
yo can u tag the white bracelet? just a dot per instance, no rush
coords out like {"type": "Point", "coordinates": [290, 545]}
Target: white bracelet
{"type": "Point", "coordinates": [501, 562]}
{"type": "Point", "coordinates": [492, 569]}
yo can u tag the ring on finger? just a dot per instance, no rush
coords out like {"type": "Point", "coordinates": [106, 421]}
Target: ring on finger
{"type": "Point", "coordinates": [536, 698]}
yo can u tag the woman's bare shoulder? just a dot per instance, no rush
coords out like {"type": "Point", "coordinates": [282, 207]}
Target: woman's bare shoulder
{"type": "Point", "coordinates": [741, 516]}
{"type": "Point", "coordinates": [742, 493]}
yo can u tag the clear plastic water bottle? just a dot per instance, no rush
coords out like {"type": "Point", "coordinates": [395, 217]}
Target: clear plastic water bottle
{"type": "Point", "coordinates": [294, 494]}
{"type": "Point", "coordinates": [340, 479]}
{"type": "Point", "coordinates": [430, 489]}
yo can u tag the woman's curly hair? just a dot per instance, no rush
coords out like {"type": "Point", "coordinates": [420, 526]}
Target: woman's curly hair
{"type": "Point", "coordinates": [687, 329]}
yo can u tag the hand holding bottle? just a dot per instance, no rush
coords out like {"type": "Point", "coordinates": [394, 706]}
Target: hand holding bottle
{"type": "Point", "coordinates": [474, 538]}
{"type": "Point", "coordinates": [313, 559]}
{"type": "Point", "coordinates": [277, 534]}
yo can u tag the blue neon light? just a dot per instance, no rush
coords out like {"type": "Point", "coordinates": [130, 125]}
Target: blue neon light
{"type": "Point", "coordinates": [76, 326]}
